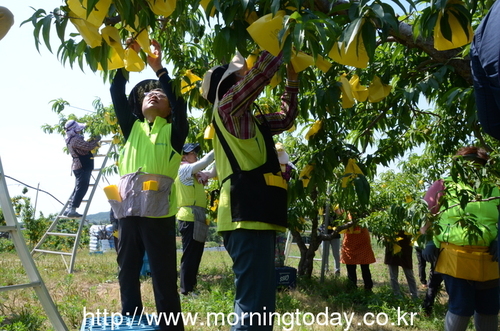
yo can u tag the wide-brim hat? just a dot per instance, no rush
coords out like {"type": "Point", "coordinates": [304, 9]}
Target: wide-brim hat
{"type": "Point", "coordinates": [215, 75]}
{"type": "Point", "coordinates": [136, 95]}
{"type": "Point", "coordinates": [73, 125]}
{"type": "Point", "coordinates": [190, 147]}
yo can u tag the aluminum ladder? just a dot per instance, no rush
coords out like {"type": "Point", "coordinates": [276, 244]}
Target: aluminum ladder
{"type": "Point", "coordinates": [52, 230]}
{"type": "Point", "coordinates": [36, 282]}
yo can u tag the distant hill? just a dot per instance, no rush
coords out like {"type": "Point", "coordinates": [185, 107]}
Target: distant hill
{"type": "Point", "coordinates": [99, 218]}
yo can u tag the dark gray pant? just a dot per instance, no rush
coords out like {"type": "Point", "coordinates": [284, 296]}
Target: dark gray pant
{"type": "Point", "coordinates": [82, 180]}
{"type": "Point", "coordinates": [252, 252]}
{"type": "Point", "coordinates": [156, 236]}
{"type": "Point", "coordinates": [192, 251]}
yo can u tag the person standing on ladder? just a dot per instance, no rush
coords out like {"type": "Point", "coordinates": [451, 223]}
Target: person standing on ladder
{"type": "Point", "coordinates": [83, 163]}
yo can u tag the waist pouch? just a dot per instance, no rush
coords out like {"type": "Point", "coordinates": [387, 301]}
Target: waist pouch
{"type": "Point", "coordinates": [467, 262]}
{"type": "Point", "coordinates": [258, 196]}
{"type": "Point", "coordinates": [139, 202]}
{"type": "Point", "coordinates": [200, 230]}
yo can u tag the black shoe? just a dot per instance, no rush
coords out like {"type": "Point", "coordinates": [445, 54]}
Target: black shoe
{"type": "Point", "coordinates": [73, 214]}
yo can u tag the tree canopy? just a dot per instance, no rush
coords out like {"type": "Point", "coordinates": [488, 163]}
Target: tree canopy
{"type": "Point", "coordinates": [377, 79]}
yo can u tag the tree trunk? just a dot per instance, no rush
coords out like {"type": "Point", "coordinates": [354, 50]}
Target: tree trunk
{"type": "Point", "coordinates": [307, 251]}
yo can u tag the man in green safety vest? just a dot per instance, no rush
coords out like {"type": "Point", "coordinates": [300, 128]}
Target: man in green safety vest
{"type": "Point", "coordinates": [154, 123]}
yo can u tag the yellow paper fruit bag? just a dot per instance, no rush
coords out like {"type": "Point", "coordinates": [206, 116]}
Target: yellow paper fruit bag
{"type": "Point", "coordinates": [323, 64]}
{"type": "Point", "coordinates": [88, 31]}
{"type": "Point", "coordinates": [132, 60]}
{"type": "Point", "coordinates": [347, 96]}
{"type": "Point", "coordinates": [265, 30]}
{"type": "Point", "coordinates": [459, 36]}
{"type": "Point", "coordinates": [352, 53]}
{"type": "Point", "coordinates": [377, 90]}
{"type": "Point", "coordinates": [96, 17]}
{"type": "Point", "coordinates": [301, 61]}
{"type": "Point", "coordinates": [162, 7]}
{"type": "Point", "coordinates": [359, 92]}
{"type": "Point", "coordinates": [188, 81]}
{"type": "Point", "coordinates": [351, 171]}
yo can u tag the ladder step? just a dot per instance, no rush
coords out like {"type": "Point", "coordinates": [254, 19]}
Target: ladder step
{"type": "Point", "coordinates": [51, 252]}
{"type": "Point", "coordinates": [19, 286]}
{"type": "Point", "coordinates": [7, 228]}
{"type": "Point", "coordinates": [61, 234]}
{"type": "Point", "coordinates": [298, 257]}
{"type": "Point", "coordinates": [63, 216]}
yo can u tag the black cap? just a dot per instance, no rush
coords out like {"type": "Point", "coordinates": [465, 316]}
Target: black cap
{"type": "Point", "coordinates": [136, 96]}
{"type": "Point", "coordinates": [191, 147]}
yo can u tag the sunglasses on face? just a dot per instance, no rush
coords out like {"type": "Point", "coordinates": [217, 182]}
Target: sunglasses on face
{"type": "Point", "coordinates": [156, 94]}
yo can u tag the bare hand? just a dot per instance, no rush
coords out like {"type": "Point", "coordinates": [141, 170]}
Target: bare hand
{"type": "Point", "coordinates": [155, 62]}
{"type": "Point", "coordinates": [131, 43]}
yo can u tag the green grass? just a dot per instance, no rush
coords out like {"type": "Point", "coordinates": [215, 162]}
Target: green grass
{"type": "Point", "coordinates": [94, 285]}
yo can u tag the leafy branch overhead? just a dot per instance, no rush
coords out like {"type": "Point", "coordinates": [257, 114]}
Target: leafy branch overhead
{"type": "Point", "coordinates": [378, 81]}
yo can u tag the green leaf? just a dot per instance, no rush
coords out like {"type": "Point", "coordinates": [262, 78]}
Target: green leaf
{"type": "Point", "coordinates": [463, 17]}
{"type": "Point", "coordinates": [353, 31]}
{"type": "Point", "coordinates": [464, 199]}
{"type": "Point", "coordinates": [369, 39]}
{"type": "Point", "coordinates": [445, 25]}
{"type": "Point", "coordinates": [275, 6]}
{"type": "Point", "coordinates": [298, 36]}
{"type": "Point", "coordinates": [47, 21]}
{"type": "Point", "coordinates": [90, 6]}
{"type": "Point", "coordinates": [362, 188]}
{"type": "Point", "coordinates": [244, 4]}
{"type": "Point", "coordinates": [403, 8]}
{"type": "Point", "coordinates": [61, 23]}
{"type": "Point", "coordinates": [378, 10]}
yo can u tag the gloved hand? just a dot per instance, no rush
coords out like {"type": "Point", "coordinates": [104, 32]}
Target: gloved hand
{"type": "Point", "coordinates": [493, 250]}
{"type": "Point", "coordinates": [430, 252]}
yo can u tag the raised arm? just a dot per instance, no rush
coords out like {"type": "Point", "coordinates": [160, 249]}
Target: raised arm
{"type": "Point", "coordinates": [284, 119]}
{"type": "Point", "coordinates": [236, 102]}
{"type": "Point", "coordinates": [180, 124]}
{"type": "Point", "coordinates": [203, 162]}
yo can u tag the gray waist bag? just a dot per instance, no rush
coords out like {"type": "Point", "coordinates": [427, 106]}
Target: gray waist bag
{"type": "Point", "coordinates": [139, 202]}
{"type": "Point", "coordinates": [200, 230]}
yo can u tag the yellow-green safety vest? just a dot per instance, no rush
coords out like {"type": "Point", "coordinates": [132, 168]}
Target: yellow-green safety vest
{"type": "Point", "coordinates": [150, 148]}
{"type": "Point", "coordinates": [250, 154]}
{"type": "Point", "coordinates": [189, 195]}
